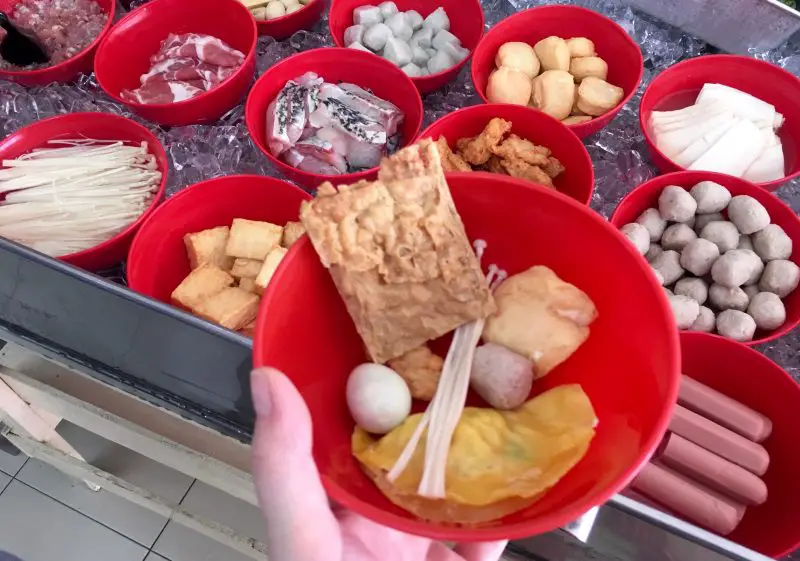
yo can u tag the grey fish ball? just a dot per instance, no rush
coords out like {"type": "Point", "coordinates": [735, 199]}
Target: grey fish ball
{"type": "Point", "coordinates": [669, 265]}
{"type": "Point", "coordinates": [767, 310]}
{"type": "Point", "coordinates": [694, 288]}
{"type": "Point", "coordinates": [684, 309]}
{"type": "Point", "coordinates": [772, 243]}
{"type": "Point", "coordinates": [638, 236]}
{"type": "Point", "coordinates": [736, 325]}
{"type": "Point", "coordinates": [658, 276]}
{"type": "Point", "coordinates": [710, 197]}
{"type": "Point", "coordinates": [705, 322]}
{"type": "Point", "coordinates": [780, 277]}
{"type": "Point", "coordinates": [654, 222]}
{"type": "Point", "coordinates": [733, 269]}
{"type": "Point", "coordinates": [748, 214]}
{"type": "Point", "coordinates": [724, 298]}
{"type": "Point", "coordinates": [668, 292]}
{"type": "Point", "coordinates": [677, 236]}
{"type": "Point", "coordinates": [751, 290]}
{"type": "Point", "coordinates": [676, 204]}
{"type": "Point", "coordinates": [702, 219]}
{"type": "Point", "coordinates": [724, 234]}
{"type": "Point", "coordinates": [745, 242]}
{"type": "Point", "coordinates": [699, 256]}
{"type": "Point", "coordinates": [654, 251]}
{"type": "Point", "coordinates": [756, 263]}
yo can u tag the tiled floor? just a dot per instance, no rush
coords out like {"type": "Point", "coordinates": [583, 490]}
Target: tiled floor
{"type": "Point", "coordinates": [47, 516]}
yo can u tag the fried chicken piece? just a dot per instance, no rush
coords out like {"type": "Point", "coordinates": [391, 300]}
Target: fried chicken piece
{"type": "Point", "coordinates": [516, 148]}
{"type": "Point", "coordinates": [421, 369]}
{"type": "Point", "coordinates": [450, 160]}
{"type": "Point", "coordinates": [478, 150]}
{"type": "Point", "coordinates": [523, 170]}
{"type": "Point", "coordinates": [494, 165]}
{"type": "Point", "coordinates": [553, 167]}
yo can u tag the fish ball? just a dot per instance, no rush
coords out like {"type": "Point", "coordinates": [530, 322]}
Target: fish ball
{"type": "Point", "coordinates": [519, 56]}
{"type": "Point", "coordinates": [399, 25]}
{"type": "Point", "coordinates": [767, 310]}
{"type": "Point", "coordinates": [654, 222]}
{"type": "Point", "coordinates": [748, 214]}
{"type": "Point", "coordinates": [500, 376]}
{"type": "Point", "coordinates": [638, 236]}
{"type": "Point", "coordinates": [724, 298]}
{"type": "Point", "coordinates": [580, 47]}
{"type": "Point", "coordinates": [376, 36]}
{"type": "Point", "coordinates": [676, 204]}
{"type": "Point", "coordinates": [668, 264]}
{"type": "Point", "coordinates": [772, 243]}
{"type": "Point", "coordinates": [722, 233]}
{"type": "Point", "coordinates": [684, 309]}
{"type": "Point", "coordinates": [553, 53]}
{"type": "Point", "coordinates": [584, 67]}
{"type": "Point", "coordinates": [699, 256]}
{"type": "Point", "coordinates": [677, 236]}
{"type": "Point", "coordinates": [745, 242]}
{"type": "Point", "coordinates": [654, 251]}
{"type": "Point", "coordinates": [414, 19]}
{"type": "Point", "coordinates": [553, 92]}
{"type": "Point", "coordinates": [354, 34]}
{"type": "Point", "coordinates": [736, 325]}
{"type": "Point", "coordinates": [378, 398]}
{"type": "Point", "coordinates": [658, 276]}
{"type": "Point", "coordinates": [367, 15]}
{"type": "Point", "coordinates": [437, 20]}
{"type": "Point", "coordinates": [733, 269]}
{"type": "Point", "coordinates": [701, 220]}
{"type": "Point", "coordinates": [507, 85]}
{"type": "Point", "coordinates": [705, 321]}
{"type": "Point", "coordinates": [710, 196]}
{"type": "Point", "coordinates": [751, 290]}
{"type": "Point", "coordinates": [781, 277]}
{"type": "Point", "coordinates": [694, 288]}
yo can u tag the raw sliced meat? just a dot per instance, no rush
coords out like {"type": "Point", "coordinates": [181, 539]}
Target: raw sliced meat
{"type": "Point", "coordinates": [154, 93]}
{"type": "Point", "coordinates": [203, 48]}
{"type": "Point", "coordinates": [186, 69]}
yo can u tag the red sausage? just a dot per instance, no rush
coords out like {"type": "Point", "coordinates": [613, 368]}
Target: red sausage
{"type": "Point", "coordinates": [719, 440]}
{"type": "Point", "coordinates": [711, 470]}
{"type": "Point", "coordinates": [720, 408]}
{"type": "Point", "coordinates": [689, 500]}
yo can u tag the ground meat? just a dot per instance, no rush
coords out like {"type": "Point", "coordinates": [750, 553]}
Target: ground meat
{"type": "Point", "coordinates": [65, 27]}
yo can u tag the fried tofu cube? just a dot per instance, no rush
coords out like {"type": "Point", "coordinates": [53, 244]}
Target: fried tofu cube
{"type": "Point", "coordinates": [232, 308]}
{"type": "Point", "coordinates": [252, 239]}
{"type": "Point", "coordinates": [201, 284]}
{"type": "Point", "coordinates": [270, 266]}
{"type": "Point", "coordinates": [248, 284]}
{"type": "Point", "coordinates": [246, 268]}
{"type": "Point", "coordinates": [208, 246]}
{"type": "Point", "coordinates": [292, 232]}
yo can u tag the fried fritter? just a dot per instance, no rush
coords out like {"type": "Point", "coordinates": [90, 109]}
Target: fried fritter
{"type": "Point", "coordinates": [516, 148]}
{"type": "Point", "coordinates": [553, 167]}
{"type": "Point", "coordinates": [450, 160]}
{"type": "Point", "coordinates": [523, 170]}
{"type": "Point", "coordinates": [421, 369]}
{"type": "Point", "coordinates": [478, 150]}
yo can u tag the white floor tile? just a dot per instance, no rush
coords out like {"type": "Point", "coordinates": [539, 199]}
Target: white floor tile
{"type": "Point", "coordinates": [4, 481]}
{"type": "Point", "coordinates": [179, 543]}
{"type": "Point", "coordinates": [35, 527]}
{"type": "Point", "coordinates": [154, 557]}
{"type": "Point", "coordinates": [216, 505]}
{"type": "Point", "coordinates": [11, 464]}
{"type": "Point", "coordinates": [127, 518]}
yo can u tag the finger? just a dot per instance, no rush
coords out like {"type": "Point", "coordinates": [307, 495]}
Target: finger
{"type": "Point", "coordinates": [481, 551]}
{"type": "Point", "coordinates": [300, 524]}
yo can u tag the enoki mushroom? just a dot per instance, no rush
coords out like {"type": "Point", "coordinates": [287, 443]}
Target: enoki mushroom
{"type": "Point", "coordinates": [73, 197]}
{"type": "Point", "coordinates": [444, 411]}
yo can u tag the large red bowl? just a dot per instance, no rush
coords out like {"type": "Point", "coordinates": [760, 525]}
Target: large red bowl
{"type": "Point", "coordinates": [646, 196]}
{"type": "Point", "coordinates": [577, 181]}
{"type": "Point", "coordinates": [749, 377]}
{"type": "Point", "coordinates": [124, 55]}
{"type": "Point", "coordinates": [286, 26]}
{"type": "Point", "coordinates": [612, 43]}
{"type": "Point", "coordinates": [379, 76]}
{"type": "Point", "coordinates": [629, 366]}
{"type": "Point", "coordinates": [678, 86]}
{"type": "Point", "coordinates": [98, 126]}
{"type": "Point", "coordinates": [66, 70]}
{"type": "Point", "coordinates": [157, 262]}
{"type": "Point", "coordinates": [466, 23]}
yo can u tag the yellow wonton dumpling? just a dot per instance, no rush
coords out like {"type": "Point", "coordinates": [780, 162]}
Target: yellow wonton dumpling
{"type": "Point", "coordinates": [499, 461]}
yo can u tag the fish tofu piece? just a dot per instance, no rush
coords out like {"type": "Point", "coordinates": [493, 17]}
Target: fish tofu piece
{"type": "Point", "coordinates": [516, 148]}
{"type": "Point", "coordinates": [421, 369]}
{"type": "Point", "coordinates": [208, 246]}
{"type": "Point", "coordinates": [248, 284]}
{"type": "Point", "coordinates": [253, 239]}
{"type": "Point", "coordinates": [201, 284]}
{"type": "Point", "coordinates": [233, 308]}
{"type": "Point", "coordinates": [450, 160]}
{"type": "Point", "coordinates": [541, 317]}
{"type": "Point", "coordinates": [268, 269]}
{"type": "Point", "coordinates": [478, 150]}
{"type": "Point", "coordinates": [246, 268]}
{"type": "Point", "coordinates": [292, 232]}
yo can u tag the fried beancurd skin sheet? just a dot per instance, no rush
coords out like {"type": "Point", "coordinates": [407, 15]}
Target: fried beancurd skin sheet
{"type": "Point", "coordinates": [398, 254]}
{"type": "Point", "coordinates": [499, 461]}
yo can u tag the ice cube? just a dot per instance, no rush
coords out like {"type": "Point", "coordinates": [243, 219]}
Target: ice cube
{"type": "Point", "coordinates": [367, 15]}
{"type": "Point", "coordinates": [437, 20]}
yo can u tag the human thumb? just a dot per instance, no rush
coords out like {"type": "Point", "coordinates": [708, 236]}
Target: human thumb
{"type": "Point", "coordinates": [300, 524]}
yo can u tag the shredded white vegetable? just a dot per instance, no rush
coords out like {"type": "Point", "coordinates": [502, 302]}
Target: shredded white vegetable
{"type": "Point", "coordinates": [75, 193]}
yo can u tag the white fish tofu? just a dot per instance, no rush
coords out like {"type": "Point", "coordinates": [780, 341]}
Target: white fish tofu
{"type": "Point", "coordinates": [367, 15]}
{"type": "Point", "coordinates": [376, 36]}
{"type": "Point", "coordinates": [437, 20]}
{"type": "Point", "coordinates": [397, 52]}
{"type": "Point", "coordinates": [423, 37]}
{"type": "Point", "coordinates": [353, 34]}
{"type": "Point", "coordinates": [388, 9]}
{"type": "Point", "coordinates": [440, 62]}
{"type": "Point", "coordinates": [442, 38]}
{"type": "Point", "coordinates": [400, 27]}
{"type": "Point", "coordinates": [414, 19]}
{"type": "Point", "coordinates": [412, 70]}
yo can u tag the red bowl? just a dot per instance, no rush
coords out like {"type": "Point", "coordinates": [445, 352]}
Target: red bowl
{"type": "Point", "coordinates": [466, 23]}
{"type": "Point", "coordinates": [157, 262]}
{"type": "Point", "coordinates": [379, 76]}
{"type": "Point", "coordinates": [118, 65]}
{"type": "Point", "coordinates": [286, 26]}
{"type": "Point", "coordinates": [612, 43]}
{"type": "Point", "coordinates": [66, 70]}
{"type": "Point", "coordinates": [99, 126]}
{"type": "Point", "coordinates": [772, 528]}
{"type": "Point", "coordinates": [646, 196]}
{"type": "Point", "coordinates": [678, 86]}
{"type": "Point", "coordinates": [633, 392]}
{"type": "Point", "coordinates": [577, 181]}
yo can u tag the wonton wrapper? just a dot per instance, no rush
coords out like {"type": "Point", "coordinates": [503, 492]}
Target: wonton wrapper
{"type": "Point", "coordinates": [499, 461]}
